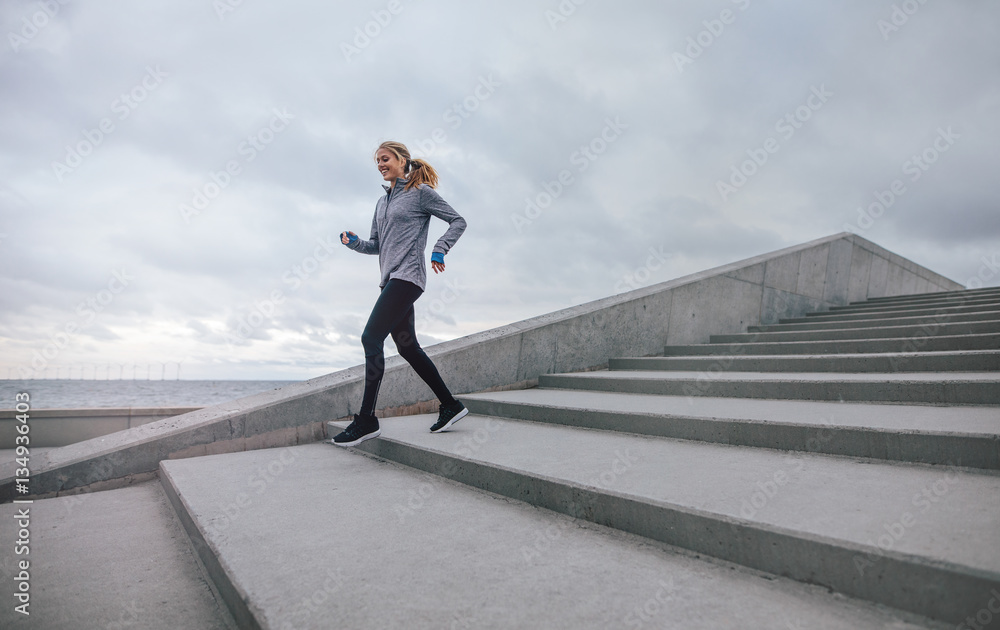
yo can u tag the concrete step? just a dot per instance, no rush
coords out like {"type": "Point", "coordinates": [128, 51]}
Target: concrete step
{"type": "Point", "coordinates": [920, 297]}
{"type": "Point", "coordinates": [316, 536]}
{"type": "Point", "coordinates": [812, 324]}
{"type": "Point", "coordinates": [113, 559]}
{"type": "Point", "coordinates": [876, 332]}
{"type": "Point", "coordinates": [966, 436]}
{"type": "Point", "coordinates": [960, 388]}
{"type": "Point", "coordinates": [967, 361]}
{"type": "Point", "coordinates": [942, 313]}
{"type": "Point", "coordinates": [953, 343]}
{"type": "Point", "coordinates": [888, 308]}
{"type": "Point", "coordinates": [918, 538]}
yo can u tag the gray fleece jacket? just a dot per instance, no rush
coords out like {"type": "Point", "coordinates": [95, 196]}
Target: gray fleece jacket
{"type": "Point", "coordinates": [399, 231]}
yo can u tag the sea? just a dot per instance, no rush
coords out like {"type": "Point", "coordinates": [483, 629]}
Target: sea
{"type": "Point", "coordinates": [83, 394]}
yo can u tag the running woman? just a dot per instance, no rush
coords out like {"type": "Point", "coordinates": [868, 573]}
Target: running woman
{"type": "Point", "coordinates": [399, 237]}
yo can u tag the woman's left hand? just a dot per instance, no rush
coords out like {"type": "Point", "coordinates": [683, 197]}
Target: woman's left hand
{"type": "Point", "coordinates": [438, 267]}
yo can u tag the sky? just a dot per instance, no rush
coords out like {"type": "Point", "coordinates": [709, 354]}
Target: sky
{"type": "Point", "coordinates": [174, 175]}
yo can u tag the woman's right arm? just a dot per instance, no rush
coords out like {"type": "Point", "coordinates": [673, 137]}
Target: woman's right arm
{"type": "Point", "coordinates": [365, 247]}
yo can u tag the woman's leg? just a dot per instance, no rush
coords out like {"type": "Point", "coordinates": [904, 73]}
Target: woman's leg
{"type": "Point", "coordinates": [393, 305]}
{"type": "Point", "coordinates": [405, 336]}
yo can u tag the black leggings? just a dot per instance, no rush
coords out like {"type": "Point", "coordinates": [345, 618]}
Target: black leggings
{"type": "Point", "coordinates": [393, 314]}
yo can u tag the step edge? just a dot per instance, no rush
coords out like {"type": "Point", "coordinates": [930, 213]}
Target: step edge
{"type": "Point", "coordinates": [865, 329]}
{"type": "Point", "coordinates": [908, 564]}
{"type": "Point", "coordinates": [951, 318]}
{"type": "Point", "coordinates": [985, 462]}
{"type": "Point", "coordinates": [975, 336]}
{"type": "Point", "coordinates": [844, 355]}
{"type": "Point", "coordinates": [234, 596]}
{"type": "Point", "coordinates": [675, 416]}
{"type": "Point", "coordinates": [945, 392]}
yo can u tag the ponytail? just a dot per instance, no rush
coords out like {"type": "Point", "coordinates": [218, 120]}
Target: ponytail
{"type": "Point", "coordinates": [420, 172]}
{"type": "Point", "coordinates": [417, 171]}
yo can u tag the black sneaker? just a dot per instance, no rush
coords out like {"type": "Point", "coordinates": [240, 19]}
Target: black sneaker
{"type": "Point", "coordinates": [449, 415]}
{"type": "Point", "coordinates": [363, 428]}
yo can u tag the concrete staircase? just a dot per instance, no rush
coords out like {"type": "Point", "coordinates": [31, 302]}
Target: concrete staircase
{"type": "Point", "coordinates": [840, 470]}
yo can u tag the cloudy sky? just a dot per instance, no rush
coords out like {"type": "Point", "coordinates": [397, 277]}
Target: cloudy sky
{"type": "Point", "coordinates": [174, 174]}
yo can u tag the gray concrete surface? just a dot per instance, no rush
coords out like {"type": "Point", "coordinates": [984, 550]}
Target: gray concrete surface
{"type": "Point", "coordinates": [867, 306]}
{"type": "Point", "coordinates": [811, 324]}
{"type": "Point", "coordinates": [967, 361]}
{"type": "Point", "coordinates": [60, 427]}
{"type": "Point", "coordinates": [726, 299]}
{"type": "Point", "coordinates": [823, 513]}
{"type": "Point", "coordinates": [956, 388]}
{"type": "Point", "coordinates": [969, 436]}
{"type": "Point", "coordinates": [834, 316]}
{"type": "Point", "coordinates": [938, 329]}
{"type": "Point", "coordinates": [850, 346]}
{"type": "Point", "coordinates": [117, 559]}
{"type": "Point", "coordinates": [8, 454]}
{"type": "Point", "coordinates": [935, 296]}
{"type": "Point", "coordinates": [377, 545]}
{"type": "Point", "coordinates": [947, 300]}
{"type": "Point", "coordinates": [815, 414]}
{"type": "Point", "coordinates": [271, 526]}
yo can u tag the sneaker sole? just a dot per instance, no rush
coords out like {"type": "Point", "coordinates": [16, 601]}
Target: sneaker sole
{"type": "Point", "coordinates": [461, 414]}
{"type": "Point", "coordinates": [373, 434]}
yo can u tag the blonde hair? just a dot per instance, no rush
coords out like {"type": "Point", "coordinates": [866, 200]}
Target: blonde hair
{"type": "Point", "coordinates": [417, 171]}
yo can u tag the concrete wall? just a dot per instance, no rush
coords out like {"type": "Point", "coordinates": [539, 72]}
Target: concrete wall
{"type": "Point", "coordinates": [60, 427]}
{"type": "Point", "coordinates": [813, 276]}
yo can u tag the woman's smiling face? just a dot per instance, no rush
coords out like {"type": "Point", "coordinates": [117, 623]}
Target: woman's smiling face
{"type": "Point", "coordinates": [389, 165]}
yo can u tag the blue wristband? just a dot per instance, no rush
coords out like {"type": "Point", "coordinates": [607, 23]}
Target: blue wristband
{"type": "Point", "coordinates": [437, 257]}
